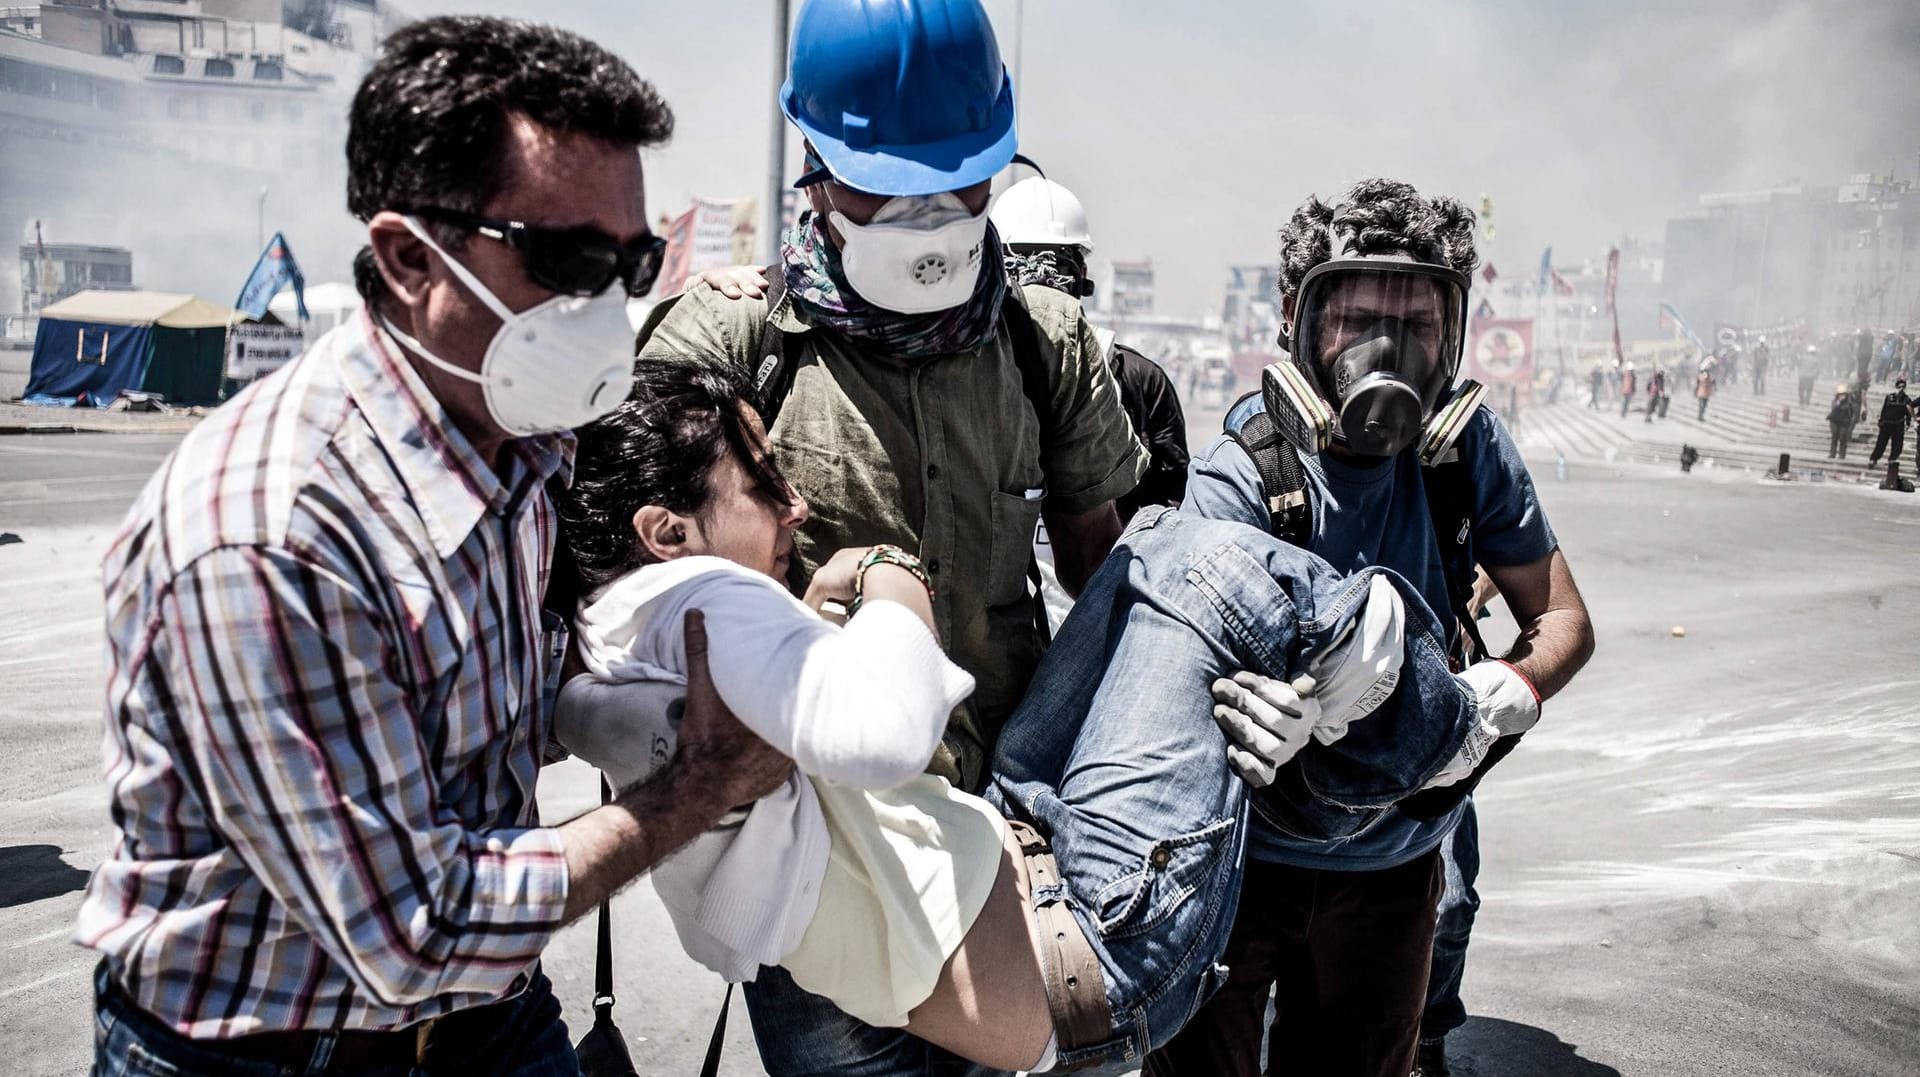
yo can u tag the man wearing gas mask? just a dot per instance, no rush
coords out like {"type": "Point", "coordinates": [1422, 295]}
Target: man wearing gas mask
{"type": "Point", "coordinates": [1362, 448]}
{"type": "Point", "coordinates": [912, 396]}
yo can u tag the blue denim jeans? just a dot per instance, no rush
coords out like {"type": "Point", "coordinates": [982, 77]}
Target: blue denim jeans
{"type": "Point", "coordinates": [1114, 755]}
{"type": "Point", "coordinates": [528, 1039]}
{"type": "Point", "coordinates": [1460, 855]}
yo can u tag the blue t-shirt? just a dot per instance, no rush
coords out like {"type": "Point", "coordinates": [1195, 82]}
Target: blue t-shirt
{"type": "Point", "coordinates": [1364, 516]}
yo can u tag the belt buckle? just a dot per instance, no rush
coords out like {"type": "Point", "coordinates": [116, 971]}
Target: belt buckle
{"type": "Point", "coordinates": [422, 1033]}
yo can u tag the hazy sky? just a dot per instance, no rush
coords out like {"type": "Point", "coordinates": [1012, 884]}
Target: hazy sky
{"type": "Point", "coordinates": [1192, 129]}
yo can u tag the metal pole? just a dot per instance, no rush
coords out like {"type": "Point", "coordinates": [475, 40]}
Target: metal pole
{"type": "Point", "coordinates": [1019, 56]}
{"type": "Point", "coordinates": [260, 222]}
{"type": "Point", "coordinates": [776, 144]}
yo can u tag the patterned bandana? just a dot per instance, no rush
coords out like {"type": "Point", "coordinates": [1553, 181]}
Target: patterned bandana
{"type": "Point", "coordinates": [815, 281]}
{"type": "Point", "coordinates": [1045, 268]}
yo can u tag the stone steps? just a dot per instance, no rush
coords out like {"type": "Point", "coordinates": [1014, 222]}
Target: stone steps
{"type": "Point", "coordinates": [1735, 433]}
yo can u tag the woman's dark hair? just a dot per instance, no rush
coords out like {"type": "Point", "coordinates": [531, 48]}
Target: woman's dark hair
{"type": "Point", "coordinates": [428, 124]}
{"type": "Point", "coordinates": [1377, 216]}
{"type": "Point", "coordinates": [659, 448]}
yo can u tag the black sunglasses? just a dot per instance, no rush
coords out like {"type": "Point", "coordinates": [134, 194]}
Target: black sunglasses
{"type": "Point", "coordinates": [573, 261]}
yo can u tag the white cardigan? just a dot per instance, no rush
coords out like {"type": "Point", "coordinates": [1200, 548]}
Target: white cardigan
{"type": "Point", "coordinates": [863, 705]}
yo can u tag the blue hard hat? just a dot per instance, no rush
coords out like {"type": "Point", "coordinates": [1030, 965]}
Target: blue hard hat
{"type": "Point", "coordinates": [901, 97]}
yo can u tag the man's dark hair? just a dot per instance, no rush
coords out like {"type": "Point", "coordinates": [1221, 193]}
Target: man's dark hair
{"type": "Point", "coordinates": [429, 123]}
{"type": "Point", "coordinates": [658, 448]}
{"type": "Point", "coordinates": [1377, 216]}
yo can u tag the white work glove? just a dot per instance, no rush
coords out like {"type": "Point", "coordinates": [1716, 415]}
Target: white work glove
{"type": "Point", "coordinates": [1505, 704]}
{"type": "Point", "coordinates": [629, 730]}
{"type": "Point", "coordinates": [1360, 669]}
{"type": "Point", "coordinates": [1268, 721]}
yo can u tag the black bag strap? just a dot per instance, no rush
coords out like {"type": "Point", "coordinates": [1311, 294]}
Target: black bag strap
{"type": "Point", "coordinates": [711, 1067]}
{"type": "Point", "coordinates": [603, 963]}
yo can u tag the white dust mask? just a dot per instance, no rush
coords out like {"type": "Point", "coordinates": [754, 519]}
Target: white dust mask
{"type": "Point", "coordinates": [554, 366]}
{"type": "Point", "coordinates": [919, 254]}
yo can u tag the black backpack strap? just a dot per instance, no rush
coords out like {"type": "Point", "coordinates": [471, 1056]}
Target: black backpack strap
{"type": "Point", "coordinates": [1034, 382]}
{"type": "Point", "coordinates": [774, 368]}
{"type": "Point", "coordinates": [1036, 387]}
{"type": "Point", "coordinates": [1450, 505]}
{"type": "Point", "coordinates": [1283, 480]}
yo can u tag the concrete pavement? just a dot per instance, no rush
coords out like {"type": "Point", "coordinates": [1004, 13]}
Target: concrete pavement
{"type": "Point", "coordinates": [1705, 860]}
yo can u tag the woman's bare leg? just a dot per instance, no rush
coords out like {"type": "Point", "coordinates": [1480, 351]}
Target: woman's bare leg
{"type": "Point", "coordinates": [990, 1003]}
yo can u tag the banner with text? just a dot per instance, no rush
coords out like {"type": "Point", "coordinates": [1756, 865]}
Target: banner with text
{"type": "Point", "coordinates": [254, 351]}
{"type": "Point", "coordinates": [712, 233]}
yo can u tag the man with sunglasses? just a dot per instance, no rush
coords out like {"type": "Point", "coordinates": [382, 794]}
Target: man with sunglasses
{"type": "Point", "coordinates": [330, 674]}
{"type": "Point", "coordinates": [1363, 449]}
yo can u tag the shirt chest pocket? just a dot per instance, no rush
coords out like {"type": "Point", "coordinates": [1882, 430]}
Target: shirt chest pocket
{"type": "Point", "coordinates": [1013, 521]}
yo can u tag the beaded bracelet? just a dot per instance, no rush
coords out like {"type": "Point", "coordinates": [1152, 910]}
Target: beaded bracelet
{"type": "Point", "coordinates": [886, 554]}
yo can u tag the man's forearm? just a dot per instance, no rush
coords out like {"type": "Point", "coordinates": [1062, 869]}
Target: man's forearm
{"type": "Point", "coordinates": [614, 844]}
{"type": "Point", "coordinates": [1552, 648]}
{"type": "Point", "coordinates": [1080, 543]}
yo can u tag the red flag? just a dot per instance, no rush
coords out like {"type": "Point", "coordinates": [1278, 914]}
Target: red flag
{"type": "Point", "coordinates": [1488, 273]}
{"type": "Point", "coordinates": [1613, 286]}
{"type": "Point", "coordinates": [1560, 285]}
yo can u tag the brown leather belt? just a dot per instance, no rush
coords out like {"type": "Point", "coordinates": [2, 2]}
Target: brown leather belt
{"type": "Point", "coordinates": [1076, 991]}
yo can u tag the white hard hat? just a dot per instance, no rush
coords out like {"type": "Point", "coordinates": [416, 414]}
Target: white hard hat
{"type": "Point", "coordinates": [1039, 212]}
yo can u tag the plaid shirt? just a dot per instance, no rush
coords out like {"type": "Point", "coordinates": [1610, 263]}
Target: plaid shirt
{"type": "Point", "coordinates": [328, 698]}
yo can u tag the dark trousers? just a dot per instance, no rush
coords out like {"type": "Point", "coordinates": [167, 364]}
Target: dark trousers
{"type": "Point", "coordinates": [1703, 409]}
{"type": "Point", "coordinates": [1347, 954]}
{"type": "Point", "coordinates": [1626, 401]}
{"type": "Point", "coordinates": [1837, 443]}
{"type": "Point", "coordinates": [1896, 434]}
{"type": "Point", "coordinates": [520, 1037]}
{"type": "Point", "coordinates": [1806, 392]}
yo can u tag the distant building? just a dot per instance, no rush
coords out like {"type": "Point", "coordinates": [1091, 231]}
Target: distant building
{"type": "Point", "coordinates": [53, 271]}
{"type": "Point", "coordinates": [1840, 257]}
{"type": "Point", "coordinates": [155, 124]}
{"type": "Point", "coordinates": [1250, 312]}
{"type": "Point", "coordinates": [1128, 290]}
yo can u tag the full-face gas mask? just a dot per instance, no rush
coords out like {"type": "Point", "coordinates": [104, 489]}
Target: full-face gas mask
{"type": "Point", "coordinates": [1374, 347]}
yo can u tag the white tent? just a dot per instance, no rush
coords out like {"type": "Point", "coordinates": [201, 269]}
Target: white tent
{"type": "Point", "coordinates": [329, 305]}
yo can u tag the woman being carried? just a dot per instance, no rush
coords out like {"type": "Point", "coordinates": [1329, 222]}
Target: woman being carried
{"type": "Point", "coordinates": [1075, 913]}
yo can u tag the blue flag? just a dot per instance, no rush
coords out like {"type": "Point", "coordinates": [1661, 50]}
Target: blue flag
{"type": "Point", "coordinates": [1546, 270]}
{"type": "Point", "coordinates": [1669, 314]}
{"type": "Point", "coordinates": [274, 271]}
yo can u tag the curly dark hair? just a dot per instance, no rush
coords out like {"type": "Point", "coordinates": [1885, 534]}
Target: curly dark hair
{"type": "Point", "coordinates": [658, 448]}
{"type": "Point", "coordinates": [429, 122]}
{"type": "Point", "coordinates": [1376, 216]}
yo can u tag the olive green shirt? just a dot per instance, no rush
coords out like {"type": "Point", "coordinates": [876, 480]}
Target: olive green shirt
{"type": "Point", "coordinates": [940, 456]}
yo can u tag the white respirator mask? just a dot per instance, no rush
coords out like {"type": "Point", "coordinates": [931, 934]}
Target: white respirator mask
{"type": "Point", "coordinates": [555, 366]}
{"type": "Point", "coordinates": [919, 254]}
